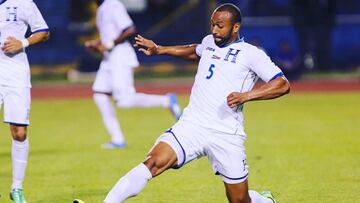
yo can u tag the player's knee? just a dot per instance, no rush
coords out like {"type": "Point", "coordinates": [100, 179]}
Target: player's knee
{"type": "Point", "coordinates": [100, 98]}
{"type": "Point", "coordinates": [125, 102]}
{"type": "Point", "coordinates": [155, 165]}
{"type": "Point", "coordinates": [18, 133]}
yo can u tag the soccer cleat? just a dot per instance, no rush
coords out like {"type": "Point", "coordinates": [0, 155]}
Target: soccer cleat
{"type": "Point", "coordinates": [17, 196]}
{"type": "Point", "coordinates": [269, 195]}
{"type": "Point", "coordinates": [174, 106]}
{"type": "Point", "coordinates": [111, 145]}
{"type": "Point", "coordinates": [78, 201]}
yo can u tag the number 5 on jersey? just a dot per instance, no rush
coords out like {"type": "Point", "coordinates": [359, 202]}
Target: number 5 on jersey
{"type": "Point", "coordinates": [211, 71]}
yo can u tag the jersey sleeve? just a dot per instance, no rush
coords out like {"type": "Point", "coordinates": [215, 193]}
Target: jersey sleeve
{"type": "Point", "coordinates": [263, 66]}
{"type": "Point", "coordinates": [105, 26]}
{"type": "Point", "coordinates": [113, 19]}
{"type": "Point", "coordinates": [122, 18]}
{"type": "Point", "coordinates": [200, 47]}
{"type": "Point", "coordinates": [35, 20]}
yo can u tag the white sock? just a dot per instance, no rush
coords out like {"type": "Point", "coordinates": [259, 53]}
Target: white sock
{"type": "Point", "coordinates": [129, 185]}
{"type": "Point", "coordinates": [109, 117]}
{"type": "Point", "coordinates": [257, 198]}
{"type": "Point", "coordinates": [19, 155]}
{"type": "Point", "coordinates": [144, 101]}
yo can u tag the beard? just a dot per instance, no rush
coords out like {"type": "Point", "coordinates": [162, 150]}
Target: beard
{"type": "Point", "coordinates": [220, 41]}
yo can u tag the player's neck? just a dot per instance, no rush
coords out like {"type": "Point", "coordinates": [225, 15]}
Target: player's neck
{"type": "Point", "coordinates": [232, 39]}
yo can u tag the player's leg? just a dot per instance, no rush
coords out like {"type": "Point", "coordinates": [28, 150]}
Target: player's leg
{"type": "Point", "coordinates": [108, 114]}
{"type": "Point", "coordinates": [19, 153]}
{"type": "Point", "coordinates": [160, 158]}
{"type": "Point", "coordinates": [228, 159]}
{"type": "Point", "coordinates": [239, 193]}
{"type": "Point", "coordinates": [168, 152]}
{"type": "Point", "coordinates": [16, 113]}
{"type": "Point", "coordinates": [127, 97]}
{"type": "Point", "coordinates": [102, 97]}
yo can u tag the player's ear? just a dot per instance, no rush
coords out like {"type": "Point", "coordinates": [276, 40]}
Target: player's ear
{"type": "Point", "coordinates": [236, 27]}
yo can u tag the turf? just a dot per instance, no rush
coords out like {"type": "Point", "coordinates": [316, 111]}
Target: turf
{"type": "Point", "coordinates": [303, 147]}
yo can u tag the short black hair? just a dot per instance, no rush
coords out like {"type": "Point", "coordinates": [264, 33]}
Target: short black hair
{"type": "Point", "coordinates": [233, 10]}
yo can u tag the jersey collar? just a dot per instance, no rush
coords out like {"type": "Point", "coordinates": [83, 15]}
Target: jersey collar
{"type": "Point", "coordinates": [2, 1]}
{"type": "Point", "coordinates": [237, 41]}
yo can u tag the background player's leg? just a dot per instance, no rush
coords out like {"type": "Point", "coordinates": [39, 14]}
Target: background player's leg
{"type": "Point", "coordinates": [108, 114]}
{"type": "Point", "coordinates": [161, 158]}
{"type": "Point", "coordinates": [143, 100]}
{"type": "Point", "coordinates": [239, 193]}
{"type": "Point", "coordinates": [126, 96]}
{"type": "Point", "coordinates": [19, 154]}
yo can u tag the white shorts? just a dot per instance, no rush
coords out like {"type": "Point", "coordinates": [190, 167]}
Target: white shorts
{"type": "Point", "coordinates": [16, 102]}
{"type": "Point", "coordinates": [114, 80]}
{"type": "Point", "coordinates": [225, 152]}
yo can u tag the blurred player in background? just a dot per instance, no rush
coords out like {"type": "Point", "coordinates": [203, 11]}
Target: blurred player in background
{"type": "Point", "coordinates": [212, 123]}
{"type": "Point", "coordinates": [15, 17]}
{"type": "Point", "coordinates": [115, 77]}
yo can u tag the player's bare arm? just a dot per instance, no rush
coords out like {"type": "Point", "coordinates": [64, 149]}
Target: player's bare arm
{"type": "Point", "coordinates": [273, 89]}
{"type": "Point", "coordinates": [125, 35]}
{"type": "Point", "coordinates": [150, 48]}
{"type": "Point", "coordinates": [95, 46]}
{"type": "Point", "coordinates": [13, 45]}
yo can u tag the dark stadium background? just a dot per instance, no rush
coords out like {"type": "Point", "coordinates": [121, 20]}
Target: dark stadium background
{"type": "Point", "coordinates": [332, 27]}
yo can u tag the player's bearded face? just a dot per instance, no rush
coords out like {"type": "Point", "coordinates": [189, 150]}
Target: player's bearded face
{"type": "Point", "coordinates": [221, 40]}
{"type": "Point", "coordinates": [222, 28]}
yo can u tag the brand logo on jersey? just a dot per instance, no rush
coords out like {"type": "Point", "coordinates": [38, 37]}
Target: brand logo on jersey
{"type": "Point", "coordinates": [11, 14]}
{"type": "Point", "coordinates": [210, 49]}
{"type": "Point", "coordinates": [215, 57]}
{"type": "Point", "coordinates": [232, 53]}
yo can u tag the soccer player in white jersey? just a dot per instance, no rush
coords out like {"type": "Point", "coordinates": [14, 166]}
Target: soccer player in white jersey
{"type": "Point", "coordinates": [212, 123]}
{"type": "Point", "coordinates": [15, 17]}
{"type": "Point", "coordinates": [115, 77]}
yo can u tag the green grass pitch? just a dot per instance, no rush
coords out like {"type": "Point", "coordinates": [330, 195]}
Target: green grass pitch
{"type": "Point", "coordinates": [303, 147]}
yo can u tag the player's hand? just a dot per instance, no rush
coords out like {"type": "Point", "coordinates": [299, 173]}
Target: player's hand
{"type": "Point", "coordinates": [12, 46]}
{"type": "Point", "coordinates": [95, 46]}
{"type": "Point", "coordinates": [235, 99]}
{"type": "Point", "coordinates": [148, 47]}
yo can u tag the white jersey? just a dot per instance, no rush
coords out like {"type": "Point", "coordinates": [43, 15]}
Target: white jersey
{"type": "Point", "coordinates": [112, 19]}
{"type": "Point", "coordinates": [222, 70]}
{"type": "Point", "coordinates": [15, 17]}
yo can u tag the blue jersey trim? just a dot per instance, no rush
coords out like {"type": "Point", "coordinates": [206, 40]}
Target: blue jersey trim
{"type": "Point", "coordinates": [2, 1]}
{"type": "Point", "coordinates": [182, 148]}
{"type": "Point", "coordinates": [237, 41]}
{"type": "Point", "coordinates": [16, 124]}
{"type": "Point", "coordinates": [41, 30]}
{"type": "Point", "coordinates": [218, 173]}
{"type": "Point", "coordinates": [277, 75]}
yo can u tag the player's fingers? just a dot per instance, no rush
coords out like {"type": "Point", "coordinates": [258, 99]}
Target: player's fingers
{"type": "Point", "coordinates": [140, 37]}
{"type": "Point", "coordinates": [142, 50]}
{"type": "Point", "coordinates": [139, 41]}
